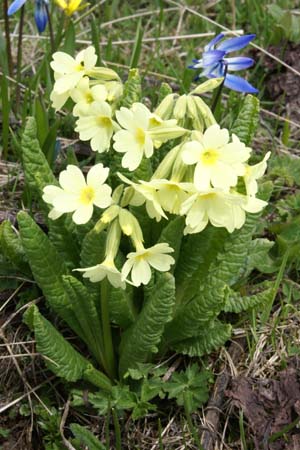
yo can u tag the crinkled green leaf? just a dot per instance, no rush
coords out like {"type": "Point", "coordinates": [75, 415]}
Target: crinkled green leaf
{"type": "Point", "coordinates": [85, 311]}
{"type": "Point", "coordinates": [33, 159]}
{"type": "Point", "coordinates": [247, 121]}
{"type": "Point", "coordinates": [142, 338]}
{"type": "Point", "coordinates": [11, 247]}
{"type": "Point", "coordinates": [47, 268]}
{"type": "Point", "coordinates": [86, 437]}
{"type": "Point", "coordinates": [195, 315]}
{"type": "Point", "coordinates": [121, 307]}
{"type": "Point", "coordinates": [132, 89]}
{"type": "Point", "coordinates": [237, 303]}
{"type": "Point", "coordinates": [210, 338]}
{"type": "Point", "coordinates": [196, 254]}
{"type": "Point", "coordinates": [259, 258]}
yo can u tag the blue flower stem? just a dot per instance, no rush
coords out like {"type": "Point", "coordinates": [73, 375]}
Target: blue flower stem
{"type": "Point", "coordinates": [50, 28]}
{"type": "Point", "coordinates": [217, 95]}
{"type": "Point", "coordinates": [19, 56]}
{"type": "Point", "coordinates": [7, 38]}
{"type": "Point", "coordinates": [107, 336]}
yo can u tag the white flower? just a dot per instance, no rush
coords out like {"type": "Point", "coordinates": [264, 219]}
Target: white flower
{"type": "Point", "coordinates": [219, 208]}
{"type": "Point", "coordinates": [77, 195]}
{"type": "Point", "coordinates": [97, 126]}
{"type": "Point", "coordinates": [84, 95]}
{"type": "Point", "coordinates": [69, 71]}
{"type": "Point", "coordinates": [252, 173]}
{"type": "Point", "coordinates": [106, 269]}
{"type": "Point", "coordinates": [139, 263]}
{"type": "Point", "coordinates": [142, 130]}
{"type": "Point", "coordinates": [218, 162]}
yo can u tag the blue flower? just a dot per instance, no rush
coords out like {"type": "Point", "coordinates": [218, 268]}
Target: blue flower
{"type": "Point", "coordinates": [40, 12]}
{"type": "Point", "coordinates": [215, 64]}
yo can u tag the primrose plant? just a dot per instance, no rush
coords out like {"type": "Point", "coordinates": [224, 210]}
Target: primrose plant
{"type": "Point", "coordinates": [147, 246]}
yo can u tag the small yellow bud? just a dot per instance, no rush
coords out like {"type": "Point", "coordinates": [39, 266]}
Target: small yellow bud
{"type": "Point", "coordinates": [165, 108]}
{"type": "Point", "coordinates": [180, 107]}
{"type": "Point", "coordinates": [208, 85]}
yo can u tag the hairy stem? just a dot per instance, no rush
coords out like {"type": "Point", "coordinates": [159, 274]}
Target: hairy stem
{"type": "Point", "coordinates": [107, 337]}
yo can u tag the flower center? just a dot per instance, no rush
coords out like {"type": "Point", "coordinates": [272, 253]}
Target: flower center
{"type": "Point", "coordinates": [154, 122]}
{"type": "Point", "coordinates": [140, 136]}
{"type": "Point", "coordinates": [209, 157]}
{"type": "Point", "coordinates": [209, 196]}
{"type": "Point", "coordinates": [87, 195]}
{"type": "Point", "coordinates": [104, 122]}
{"type": "Point", "coordinates": [89, 98]}
{"type": "Point", "coordinates": [80, 67]}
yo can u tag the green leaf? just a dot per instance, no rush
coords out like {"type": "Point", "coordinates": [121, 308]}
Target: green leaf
{"type": "Point", "coordinates": [60, 357]}
{"type": "Point", "coordinates": [135, 56]}
{"type": "Point", "coordinates": [190, 385]}
{"type": "Point", "coordinates": [237, 303]}
{"type": "Point", "coordinates": [172, 235]}
{"type": "Point", "coordinates": [121, 307]}
{"type": "Point", "coordinates": [196, 254]}
{"type": "Point", "coordinates": [132, 89]}
{"type": "Point", "coordinates": [47, 268]}
{"type": "Point", "coordinates": [93, 248]}
{"type": "Point", "coordinates": [196, 315]}
{"type": "Point", "coordinates": [142, 338]}
{"type": "Point", "coordinates": [70, 37]}
{"type": "Point", "coordinates": [62, 238]}
{"type": "Point", "coordinates": [285, 168]}
{"type": "Point", "coordinates": [33, 159]}
{"type": "Point", "coordinates": [85, 311]}
{"type": "Point", "coordinates": [86, 437]}
{"type": "Point", "coordinates": [210, 338]}
{"type": "Point", "coordinates": [11, 247]}
{"type": "Point", "coordinates": [164, 90]}
{"type": "Point", "coordinates": [247, 121]}
{"type": "Point", "coordinates": [259, 258]}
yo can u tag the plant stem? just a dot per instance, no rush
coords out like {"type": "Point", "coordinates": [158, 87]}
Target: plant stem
{"type": "Point", "coordinates": [190, 422]}
{"type": "Point", "coordinates": [218, 93]}
{"type": "Point", "coordinates": [19, 57]}
{"type": "Point", "coordinates": [117, 429]}
{"type": "Point", "coordinates": [7, 38]}
{"type": "Point", "coordinates": [107, 337]}
{"type": "Point", "coordinates": [50, 28]}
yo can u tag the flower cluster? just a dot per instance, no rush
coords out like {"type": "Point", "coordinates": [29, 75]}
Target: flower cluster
{"type": "Point", "coordinates": [204, 176]}
{"type": "Point", "coordinates": [215, 63]}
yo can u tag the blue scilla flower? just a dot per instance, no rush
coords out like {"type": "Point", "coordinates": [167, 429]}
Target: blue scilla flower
{"type": "Point", "coordinates": [40, 12]}
{"type": "Point", "coordinates": [215, 64]}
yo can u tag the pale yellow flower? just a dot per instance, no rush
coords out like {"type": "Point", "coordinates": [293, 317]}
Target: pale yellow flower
{"type": "Point", "coordinates": [84, 95]}
{"type": "Point", "coordinates": [139, 263]}
{"type": "Point", "coordinates": [78, 195]}
{"type": "Point", "coordinates": [106, 269]}
{"type": "Point", "coordinates": [97, 126]}
{"type": "Point", "coordinates": [142, 130]}
{"type": "Point", "coordinates": [252, 173]}
{"type": "Point", "coordinates": [219, 162]}
{"type": "Point", "coordinates": [68, 71]}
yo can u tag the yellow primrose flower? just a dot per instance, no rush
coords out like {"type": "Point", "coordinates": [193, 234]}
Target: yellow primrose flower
{"type": "Point", "coordinates": [139, 263]}
{"type": "Point", "coordinates": [218, 162]}
{"type": "Point", "coordinates": [97, 126]}
{"type": "Point", "coordinates": [170, 194]}
{"type": "Point", "coordinates": [106, 269]}
{"type": "Point", "coordinates": [140, 133]}
{"type": "Point", "coordinates": [68, 71]}
{"type": "Point", "coordinates": [252, 173]}
{"type": "Point", "coordinates": [221, 209]}
{"type": "Point", "coordinates": [70, 6]}
{"type": "Point", "coordinates": [79, 195]}
{"type": "Point", "coordinates": [84, 95]}
{"type": "Point", "coordinates": [145, 192]}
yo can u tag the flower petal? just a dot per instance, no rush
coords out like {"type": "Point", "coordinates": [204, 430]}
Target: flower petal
{"type": "Point", "coordinates": [236, 43]}
{"type": "Point", "coordinates": [239, 84]}
{"type": "Point", "coordinates": [83, 214]}
{"type": "Point", "coordinates": [97, 175]}
{"type": "Point", "coordinates": [238, 63]}
{"type": "Point", "coordinates": [72, 179]}
{"type": "Point", "coordinates": [215, 40]}
{"type": "Point", "coordinates": [15, 6]}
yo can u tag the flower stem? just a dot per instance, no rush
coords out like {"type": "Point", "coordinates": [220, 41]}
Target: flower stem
{"type": "Point", "coordinates": [107, 336]}
{"type": "Point", "coordinates": [218, 93]}
{"type": "Point", "coordinates": [50, 28]}
{"type": "Point", "coordinates": [7, 38]}
{"type": "Point", "coordinates": [19, 57]}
